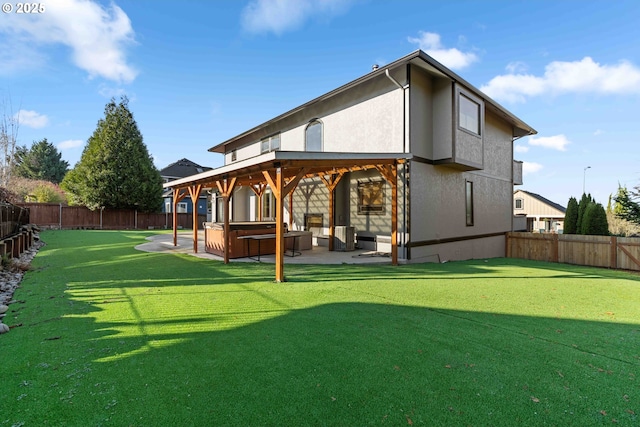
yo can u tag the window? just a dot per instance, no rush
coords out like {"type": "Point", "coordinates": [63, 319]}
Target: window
{"type": "Point", "coordinates": [519, 204]}
{"type": "Point", "coordinates": [181, 208]}
{"type": "Point", "coordinates": [469, 115]}
{"type": "Point", "coordinates": [313, 136]}
{"type": "Point", "coordinates": [234, 155]}
{"type": "Point", "coordinates": [271, 143]}
{"type": "Point", "coordinates": [469, 202]}
{"type": "Point", "coordinates": [371, 197]}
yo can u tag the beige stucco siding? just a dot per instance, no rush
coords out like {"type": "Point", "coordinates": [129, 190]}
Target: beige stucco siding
{"type": "Point", "coordinates": [369, 118]}
{"type": "Point", "coordinates": [421, 111]}
{"type": "Point", "coordinates": [498, 157]}
{"type": "Point", "coordinates": [438, 204]}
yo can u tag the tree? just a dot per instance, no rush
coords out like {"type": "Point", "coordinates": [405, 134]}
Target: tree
{"type": "Point", "coordinates": [625, 207]}
{"type": "Point", "coordinates": [43, 162]}
{"type": "Point", "coordinates": [115, 170]}
{"type": "Point", "coordinates": [594, 222]}
{"type": "Point", "coordinates": [582, 206]}
{"type": "Point", "coordinates": [9, 125]}
{"type": "Point", "coordinates": [571, 217]}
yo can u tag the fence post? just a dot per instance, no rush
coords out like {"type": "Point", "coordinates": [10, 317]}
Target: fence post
{"type": "Point", "coordinates": [613, 253]}
{"type": "Point", "coordinates": [554, 249]}
{"type": "Point", "coordinates": [60, 217]}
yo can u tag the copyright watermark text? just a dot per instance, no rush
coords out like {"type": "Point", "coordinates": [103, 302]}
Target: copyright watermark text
{"type": "Point", "coordinates": [23, 7]}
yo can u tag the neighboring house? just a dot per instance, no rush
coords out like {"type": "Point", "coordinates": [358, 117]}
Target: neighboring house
{"type": "Point", "coordinates": [180, 169]}
{"type": "Point", "coordinates": [542, 214]}
{"type": "Point", "coordinates": [445, 190]}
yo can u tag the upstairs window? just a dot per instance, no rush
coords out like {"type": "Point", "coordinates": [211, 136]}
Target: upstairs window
{"type": "Point", "coordinates": [469, 115]}
{"type": "Point", "coordinates": [271, 143]}
{"type": "Point", "coordinates": [234, 155]}
{"type": "Point", "coordinates": [313, 136]}
{"type": "Point", "coordinates": [519, 204]}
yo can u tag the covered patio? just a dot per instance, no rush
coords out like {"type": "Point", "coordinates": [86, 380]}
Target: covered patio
{"type": "Point", "coordinates": [281, 171]}
{"type": "Point", "coordinates": [163, 243]}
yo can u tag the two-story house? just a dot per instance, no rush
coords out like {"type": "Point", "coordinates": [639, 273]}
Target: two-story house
{"type": "Point", "coordinates": [410, 155]}
{"type": "Point", "coordinates": [180, 169]}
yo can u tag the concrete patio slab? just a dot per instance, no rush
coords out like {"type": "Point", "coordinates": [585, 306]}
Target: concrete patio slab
{"type": "Point", "coordinates": [317, 255]}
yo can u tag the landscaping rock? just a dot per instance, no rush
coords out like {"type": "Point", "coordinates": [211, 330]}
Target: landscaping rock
{"type": "Point", "coordinates": [11, 277]}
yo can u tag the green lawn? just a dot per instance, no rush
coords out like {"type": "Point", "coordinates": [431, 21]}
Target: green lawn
{"type": "Point", "coordinates": [112, 336]}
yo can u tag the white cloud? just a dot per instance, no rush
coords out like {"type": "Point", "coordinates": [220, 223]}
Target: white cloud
{"type": "Point", "coordinates": [598, 132]}
{"type": "Point", "coordinates": [96, 35]}
{"type": "Point", "coordinates": [521, 148]}
{"type": "Point", "coordinates": [31, 119]}
{"type": "Point", "coordinates": [279, 16]}
{"type": "Point", "coordinates": [516, 67]}
{"type": "Point", "coordinates": [70, 143]}
{"type": "Point", "coordinates": [556, 142]}
{"type": "Point", "coordinates": [584, 76]}
{"type": "Point", "coordinates": [452, 57]}
{"type": "Point", "coordinates": [530, 167]}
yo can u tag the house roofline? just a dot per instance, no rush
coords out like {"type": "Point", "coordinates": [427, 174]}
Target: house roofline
{"type": "Point", "coordinates": [410, 58]}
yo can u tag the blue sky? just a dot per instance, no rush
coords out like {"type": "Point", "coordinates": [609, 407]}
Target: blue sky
{"type": "Point", "coordinates": [198, 73]}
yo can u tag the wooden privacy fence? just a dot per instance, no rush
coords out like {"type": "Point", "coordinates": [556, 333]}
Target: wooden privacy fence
{"type": "Point", "coordinates": [51, 215]}
{"type": "Point", "coordinates": [596, 251]}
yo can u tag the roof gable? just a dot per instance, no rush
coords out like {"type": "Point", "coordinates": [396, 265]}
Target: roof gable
{"type": "Point", "coordinates": [418, 58]}
{"type": "Point", "coordinates": [182, 168]}
{"type": "Point", "coordinates": [544, 200]}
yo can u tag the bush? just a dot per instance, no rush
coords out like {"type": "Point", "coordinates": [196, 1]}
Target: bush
{"type": "Point", "coordinates": [594, 221]}
{"type": "Point", "coordinates": [32, 190]}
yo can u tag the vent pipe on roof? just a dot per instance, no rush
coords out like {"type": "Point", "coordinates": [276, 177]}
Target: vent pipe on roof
{"type": "Point", "coordinates": [374, 67]}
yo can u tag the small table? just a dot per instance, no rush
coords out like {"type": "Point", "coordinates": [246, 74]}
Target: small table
{"type": "Point", "coordinates": [260, 237]}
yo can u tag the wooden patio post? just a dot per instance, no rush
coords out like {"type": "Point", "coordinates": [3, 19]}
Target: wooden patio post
{"type": "Point", "coordinates": [277, 185]}
{"type": "Point", "coordinates": [280, 191]}
{"type": "Point", "coordinates": [194, 192]}
{"type": "Point", "coordinates": [331, 184]}
{"type": "Point", "coordinates": [390, 174]}
{"type": "Point", "coordinates": [226, 189]}
{"type": "Point", "coordinates": [177, 196]}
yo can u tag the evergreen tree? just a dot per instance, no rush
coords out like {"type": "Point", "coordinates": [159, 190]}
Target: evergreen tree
{"type": "Point", "coordinates": [42, 162]}
{"type": "Point", "coordinates": [595, 222]}
{"type": "Point", "coordinates": [625, 207]}
{"type": "Point", "coordinates": [582, 206]}
{"type": "Point", "coordinates": [116, 169]}
{"type": "Point", "coordinates": [571, 217]}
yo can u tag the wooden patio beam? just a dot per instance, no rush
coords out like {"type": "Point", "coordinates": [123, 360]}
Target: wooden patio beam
{"type": "Point", "coordinates": [177, 196]}
{"type": "Point", "coordinates": [194, 192]}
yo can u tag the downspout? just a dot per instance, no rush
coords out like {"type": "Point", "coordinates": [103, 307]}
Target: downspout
{"type": "Point", "coordinates": [403, 239]}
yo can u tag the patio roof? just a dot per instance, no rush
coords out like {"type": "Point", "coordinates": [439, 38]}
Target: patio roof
{"type": "Point", "coordinates": [249, 171]}
{"type": "Point", "coordinates": [282, 171]}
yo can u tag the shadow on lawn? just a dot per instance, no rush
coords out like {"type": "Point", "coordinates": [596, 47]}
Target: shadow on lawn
{"type": "Point", "coordinates": [470, 269]}
{"type": "Point", "coordinates": [338, 364]}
